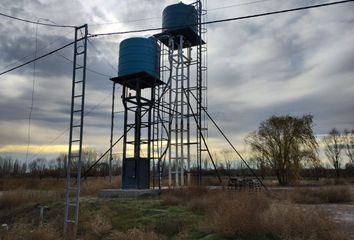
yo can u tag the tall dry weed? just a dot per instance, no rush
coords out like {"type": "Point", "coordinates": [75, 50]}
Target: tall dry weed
{"type": "Point", "coordinates": [91, 187]}
{"type": "Point", "coordinates": [100, 225]}
{"type": "Point", "coordinates": [252, 214]}
{"type": "Point", "coordinates": [16, 198]}
{"type": "Point", "coordinates": [31, 183]}
{"type": "Point", "coordinates": [238, 214]}
{"type": "Point", "coordinates": [289, 222]}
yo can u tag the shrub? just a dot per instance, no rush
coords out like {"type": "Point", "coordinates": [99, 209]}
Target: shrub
{"type": "Point", "coordinates": [238, 214]}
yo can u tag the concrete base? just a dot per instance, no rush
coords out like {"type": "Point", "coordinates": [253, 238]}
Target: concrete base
{"type": "Point", "coordinates": [126, 193]}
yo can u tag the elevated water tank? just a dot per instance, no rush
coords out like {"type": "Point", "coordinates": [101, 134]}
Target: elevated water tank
{"type": "Point", "coordinates": [178, 15]}
{"type": "Point", "coordinates": [139, 55]}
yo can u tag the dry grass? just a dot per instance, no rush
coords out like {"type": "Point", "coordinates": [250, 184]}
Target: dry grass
{"type": "Point", "coordinates": [88, 185]}
{"type": "Point", "coordinates": [24, 232]}
{"type": "Point", "coordinates": [133, 234]}
{"type": "Point", "coordinates": [100, 225]}
{"type": "Point", "coordinates": [184, 195]}
{"type": "Point", "coordinates": [228, 213]}
{"type": "Point", "coordinates": [16, 198]}
{"type": "Point", "coordinates": [254, 214]}
{"type": "Point", "coordinates": [239, 214]}
{"type": "Point", "coordinates": [94, 227]}
{"type": "Point", "coordinates": [329, 194]}
{"type": "Point", "coordinates": [336, 181]}
{"type": "Point", "coordinates": [91, 187]}
{"type": "Point", "coordinates": [251, 215]}
{"type": "Point", "coordinates": [31, 183]}
{"type": "Point", "coordinates": [29, 191]}
{"type": "Point", "coordinates": [288, 222]}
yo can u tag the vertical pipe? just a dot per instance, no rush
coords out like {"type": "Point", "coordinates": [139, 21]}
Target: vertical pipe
{"type": "Point", "coordinates": [137, 135]}
{"type": "Point", "coordinates": [176, 117]}
{"type": "Point", "coordinates": [111, 140]}
{"type": "Point", "coordinates": [149, 136]}
{"type": "Point", "coordinates": [188, 121]}
{"type": "Point", "coordinates": [199, 89]}
{"type": "Point", "coordinates": [181, 57]}
{"type": "Point", "coordinates": [152, 141]}
{"type": "Point", "coordinates": [125, 134]}
{"type": "Point", "coordinates": [170, 59]}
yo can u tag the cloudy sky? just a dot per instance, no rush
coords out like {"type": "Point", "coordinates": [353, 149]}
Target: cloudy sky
{"type": "Point", "coordinates": [295, 63]}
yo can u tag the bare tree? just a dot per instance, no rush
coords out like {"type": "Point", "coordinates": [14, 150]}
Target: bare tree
{"type": "Point", "coordinates": [333, 149]}
{"type": "Point", "coordinates": [259, 161]}
{"type": "Point", "coordinates": [284, 144]}
{"type": "Point", "coordinates": [349, 145]}
{"type": "Point", "coordinates": [227, 154]}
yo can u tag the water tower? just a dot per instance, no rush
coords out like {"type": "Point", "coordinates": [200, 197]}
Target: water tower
{"type": "Point", "coordinates": [139, 74]}
{"type": "Point", "coordinates": [183, 69]}
{"type": "Point", "coordinates": [164, 94]}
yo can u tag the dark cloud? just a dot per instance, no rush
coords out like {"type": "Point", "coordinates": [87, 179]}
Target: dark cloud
{"type": "Point", "coordinates": [295, 63]}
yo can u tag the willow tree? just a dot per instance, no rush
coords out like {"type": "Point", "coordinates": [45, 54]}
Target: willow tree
{"type": "Point", "coordinates": [285, 144]}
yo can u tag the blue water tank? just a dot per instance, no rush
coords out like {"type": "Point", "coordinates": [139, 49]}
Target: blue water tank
{"type": "Point", "coordinates": [178, 15]}
{"type": "Point", "coordinates": [138, 55]}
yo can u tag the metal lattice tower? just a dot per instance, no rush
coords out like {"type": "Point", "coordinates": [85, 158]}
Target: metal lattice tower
{"type": "Point", "coordinates": [180, 137]}
{"type": "Point", "coordinates": [183, 69]}
{"type": "Point", "coordinates": [73, 169]}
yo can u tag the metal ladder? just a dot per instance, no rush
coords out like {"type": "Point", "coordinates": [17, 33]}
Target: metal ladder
{"type": "Point", "coordinates": [76, 132]}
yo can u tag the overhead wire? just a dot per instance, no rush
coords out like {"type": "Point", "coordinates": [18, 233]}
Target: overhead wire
{"type": "Point", "coordinates": [86, 113]}
{"type": "Point", "coordinates": [40, 49]}
{"type": "Point", "coordinates": [32, 95]}
{"type": "Point", "coordinates": [67, 129]}
{"type": "Point", "coordinates": [88, 69]}
{"type": "Point", "coordinates": [32, 100]}
{"type": "Point", "coordinates": [129, 21]}
{"type": "Point", "coordinates": [238, 4]}
{"type": "Point", "coordinates": [224, 20]}
{"type": "Point", "coordinates": [154, 18]}
{"type": "Point", "coordinates": [203, 23]}
{"type": "Point", "coordinates": [38, 23]}
{"type": "Point", "coordinates": [115, 70]}
{"type": "Point", "coordinates": [40, 57]}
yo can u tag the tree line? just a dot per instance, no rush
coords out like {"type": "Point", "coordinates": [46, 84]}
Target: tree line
{"type": "Point", "coordinates": [283, 146]}
{"type": "Point", "coordinates": [42, 167]}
